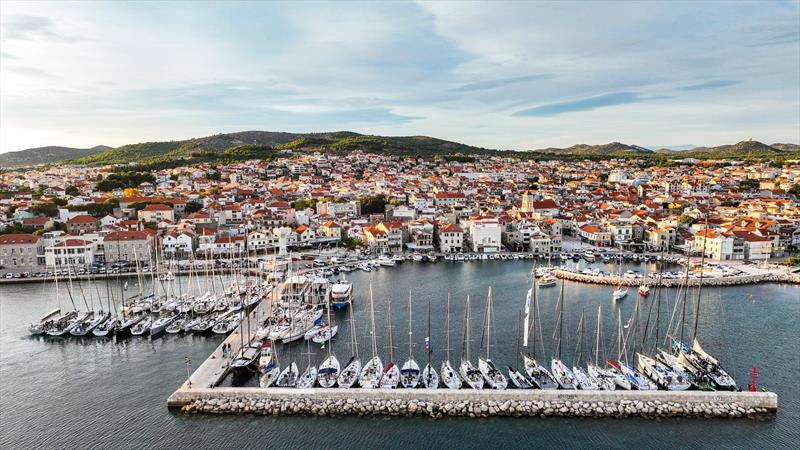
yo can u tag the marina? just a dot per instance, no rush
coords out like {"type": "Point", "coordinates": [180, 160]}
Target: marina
{"type": "Point", "coordinates": [139, 360]}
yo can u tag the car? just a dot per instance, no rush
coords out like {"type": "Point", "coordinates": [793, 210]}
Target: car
{"type": "Point", "coordinates": [9, 275]}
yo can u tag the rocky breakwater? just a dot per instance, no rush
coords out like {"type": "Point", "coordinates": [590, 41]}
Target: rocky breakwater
{"type": "Point", "coordinates": [613, 280]}
{"type": "Point", "coordinates": [489, 405]}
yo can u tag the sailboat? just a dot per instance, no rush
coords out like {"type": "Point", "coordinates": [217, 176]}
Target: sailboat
{"type": "Point", "coordinates": [288, 377]}
{"type": "Point", "coordinates": [519, 380]}
{"type": "Point", "coordinates": [449, 376]}
{"type": "Point", "coordinates": [620, 291]}
{"type": "Point", "coordinates": [494, 377]}
{"type": "Point", "coordinates": [562, 374]}
{"type": "Point", "coordinates": [585, 380]}
{"type": "Point", "coordinates": [605, 379]}
{"type": "Point", "coordinates": [268, 365]}
{"type": "Point", "coordinates": [309, 376]}
{"type": "Point", "coordinates": [350, 374]}
{"type": "Point", "coordinates": [391, 376]}
{"type": "Point", "coordinates": [372, 370]}
{"type": "Point", "coordinates": [472, 376]}
{"type": "Point", "coordinates": [409, 373]}
{"type": "Point", "coordinates": [429, 376]}
{"type": "Point", "coordinates": [329, 369]}
{"type": "Point", "coordinates": [539, 375]}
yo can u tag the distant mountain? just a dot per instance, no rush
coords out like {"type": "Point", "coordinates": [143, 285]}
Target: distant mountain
{"type": "Point", "coordinates": [46, 155]}
{"type": "Point", "coordinates": [748, 149]}
{"type": "Point", "coordinates": [258, 144]}
{"type": "Point", "coordinates": [614, 149]}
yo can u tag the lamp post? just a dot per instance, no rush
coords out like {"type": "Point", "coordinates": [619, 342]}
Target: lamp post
{"type": "Point", "coordinates": [188, 372]}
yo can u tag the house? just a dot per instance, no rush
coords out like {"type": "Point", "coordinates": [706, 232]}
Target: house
{"type": "Point", "coordinates": [339, 209]}
{"type": "Point", "coordinates": [19, 252]}
{"type": "Point", "coordinates": [451, 238]}
{"type": "Point", "coordinates": [715, 245]}
{"type": "Point", "coordinates": [595, 235]}
{"type": "Point", "coordinates": [178, 245]}
{"type": "Point", "coordinates": [70, 252]}
{"type": "Point", "coordinates": [229, 245]}
{"type": "Point", "coordinates": [156, 212]}
{"type": "Point", "coordinates": [82, 224]}
{"type": "Point", "coordinates": [304, 234]}
{"type": "Point", "coordinates": [260, 241]}
{"type": "Point", "coordinates": [331, 229]}
{"type": "Point", "coordinates": [485, 234]}
{"type": "Point", "coordinates": [37, 222]}
{"type": "Point", "coordinates": [449, 199]}
{"type": "Point", "coordinates": [129, 245]}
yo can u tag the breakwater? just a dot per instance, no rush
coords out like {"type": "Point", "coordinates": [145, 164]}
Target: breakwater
{"type": "Point", "coordinates": [438, 403]}
{"type": "Point", "coordinates": [613, 280]}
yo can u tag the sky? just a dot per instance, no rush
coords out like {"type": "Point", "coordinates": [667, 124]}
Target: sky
{"type": "Point", "coordinates": [509, 75]}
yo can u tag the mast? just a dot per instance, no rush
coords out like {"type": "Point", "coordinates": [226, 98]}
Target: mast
{"type": "Point", "coordinates": [409, 325]}
{"type": "Point", "coordinates": [372, 320]}
{"type": "Point", "coordinates": [447, 327]}
{"type": "Point", "coordinates": [560, 320]}
{"type": "Point", "coordinates": [700, 283]}
{"type": "Point", "coordinates": [391, 343]}
{"type": "Point", "coordinates": [429, 332]}
{"type": "Point", "coordinates": [330, 328]}
{"type": "Point", "coordinates": [535, 318]}
{"type": "Point", "coordinates": [685, 295]}
{"type": "Point", "coordinates": [597, 339]}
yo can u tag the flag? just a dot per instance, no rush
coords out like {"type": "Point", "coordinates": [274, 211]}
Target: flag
{"type": "Point", "coordinates": [427, 344]}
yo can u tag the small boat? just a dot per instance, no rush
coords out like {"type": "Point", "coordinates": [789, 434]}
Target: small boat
{"type": "Point", "coordinates": [246, 359]}
{"type": "Point", "coordinates": [644, 290]}
{"type": "Point", "coordinates": [178, 325]}
{"type": "Point", "coordinates": [619, 293]}
{"type": "Point", "coordinates": [584, 380]}
{"type": "Point", "coordinates": [107, 328]}
{"type": "Point", "coordinates": [350, 374]}
{"type": "Point", "coordinates": [390, 377]}
{"type": "Point", "coordinates": [308, 378]}
{"type": "Point", "coordinates": [449, 376]}
{"type": "Point", "coordinates": [430, 379]}
{"type": "Point", "coordinates": [605, 380]}
{"type": "Point", "coordinates": [269, 375]}
{"type": "Point", "coordinates": [328, 372]}
{"type": "Point", "coordinates": [386, 261]}
{"type": "Point", "coordinates": [519, 380]}
{"type": "Point", "coordinates": [127, 324]}
{"type": "Point", "coordinates": [227, 323]}
{"type": "Point", "coordinates": [540, 376]}
{"type": "Point", "coordinates": [663, 376]}
{"type": "Point", "coordinates": [637, 379]}
{"type": "Point", "coordinates": [161, 324]}
{"type": "Point", "coordinates": [371, 373]}
{"type": "Point", "coordinates": [410, 374]}
{"type": "Point", "coordinates": [472, 376]}
{"type": "Point", "coordinates": [143, 327]}
{"type": "Point", "coordinates": [46, 320]}
{"type": "Point", "coordinates": [562, 374]}
{"type": "Point", "coordinates": [325, 335]}
{"type": "Point", "coordinates": [547, 281]}
{"type": "Point", "coordinates": [90, 323]}
{"type": "Point", "coordinates": [288, 377]}
{"type": "Point", "coordinates": [494, 378]}
{"type": "Point", "coordinates": [589, 256]}
{"type": "Point", "coordinates": [620, 379]}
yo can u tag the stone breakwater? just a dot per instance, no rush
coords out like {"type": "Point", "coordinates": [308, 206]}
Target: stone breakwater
{"type": "Point", "coordinates": [437, 404]}
{"type": "Point", "coordinates": [611, 280]}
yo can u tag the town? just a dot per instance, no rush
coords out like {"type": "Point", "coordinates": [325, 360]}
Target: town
{"type": "Point", "coordinates": [95, 217]}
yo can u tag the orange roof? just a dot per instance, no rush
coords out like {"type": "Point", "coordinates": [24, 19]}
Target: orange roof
{"type": "Point", "coordinates": [18, 238]}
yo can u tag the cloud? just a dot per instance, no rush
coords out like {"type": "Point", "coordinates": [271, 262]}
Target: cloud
{"type": "Point", "coordinates": [491, 84]}
{"type": "Point", "coordinates": [584, 104]}
{"type": "Point", "coordinates": [713, 84]}
{"type": "Point", "coordinates": [23, 27]}
{"type": "Point", "coordinates": [328, 115]}
{"type": "Point", "coordinates": [5, 55]}
{"type": "Point", "coordinates": [29, 71]}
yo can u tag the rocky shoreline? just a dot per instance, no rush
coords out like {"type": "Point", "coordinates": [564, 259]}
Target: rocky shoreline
{"type": "Point", "coordinates": [310, 406]}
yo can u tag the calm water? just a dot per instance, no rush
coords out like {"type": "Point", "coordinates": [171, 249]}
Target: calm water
{"type": "Point", "coordinates": [61, 393]}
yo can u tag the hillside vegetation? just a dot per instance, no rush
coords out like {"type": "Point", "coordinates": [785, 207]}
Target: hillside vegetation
{"type": "Point", "coordinates": [46, 155]}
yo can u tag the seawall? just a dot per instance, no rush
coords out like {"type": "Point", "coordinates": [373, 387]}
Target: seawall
{"type": "Point", "coordinates": [613, 280]}
{"type": "Point", "coordinates": [470, 403]}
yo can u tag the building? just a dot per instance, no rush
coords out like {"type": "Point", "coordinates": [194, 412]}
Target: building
{"type": "Point", "coordinates": [70, 252]}
{"type": "Point", "coordinates": [19, 252]}
{"type": "Point", "coordinates": [82, 224]}
{"type": "Point", "coordinates": [128, 246]}
{"type": "Point", "coordinates": [485, 234]}
{"type": "Point", "coordinates": [451, 238]}
{"type": "Point", "coordinates": [339, 209]}
{"type": "Point", "coordinates": [155, 213]}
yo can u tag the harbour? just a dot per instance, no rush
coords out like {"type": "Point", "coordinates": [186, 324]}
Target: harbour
{"type": "Point", "coordinates": [460, 279]}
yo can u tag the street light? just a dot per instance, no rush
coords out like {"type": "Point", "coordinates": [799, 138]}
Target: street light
{"type": "Point", "coordinates": [188, 373]}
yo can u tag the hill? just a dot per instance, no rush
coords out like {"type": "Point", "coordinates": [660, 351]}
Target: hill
{"type": "Point", "coordinates": [748, 149]}
{"type": "Point", "coordinates": [46, 155]}
{"type": "Point", "coordinates": [257, 144]}
{"type": "Point", "coordinates": [613, 150]}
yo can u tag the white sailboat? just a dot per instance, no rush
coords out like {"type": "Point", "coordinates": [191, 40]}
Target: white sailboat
{"type": "Point", "coordinates": [449, 375]}
{"type": "Point", "coordinates": [560, 371]}
{"type": "Point", "coordinates": [371, 372]}
{"type": "Point", "coordinates": [469, 374]}
{"type": "Point", "coordinates": [429, 376]}
{"type": "Point", "coordinates": [494, 378]}
{"type": "Point", "coordinates": [329, 369]}
{"type": "Point", "coordinates": [409, 373]}
{"type": "Point", "coordinates": [538, 374]}
{"type": "Point", "coordinates": [391, 376]}
{"type": "Point", "coordinates": [585, 380]}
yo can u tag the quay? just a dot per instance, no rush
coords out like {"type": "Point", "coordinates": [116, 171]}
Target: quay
{"type": "Point", "coordinates": [438, 403]}
{"type": "Point", "coordinates": [615, 280]}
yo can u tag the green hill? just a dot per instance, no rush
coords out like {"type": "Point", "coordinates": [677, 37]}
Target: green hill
{"type": "Point", "coordinates": [46, 155]}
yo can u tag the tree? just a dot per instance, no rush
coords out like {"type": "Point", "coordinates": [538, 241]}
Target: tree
{"type": "Point", "coordinates": [192, 207]}
{"type": "Point", "coordinates": [305, 203]}
{"type": "Point", "coordinates": [375, 204]}
{"type": "Point", "coordinates": [48, 209]}
{"type": "Point", "coordinates": [749, 185]}
{"type": "Point", "coordinates": [72, 191]}
{"type": "Point", "coordinates": [795, 190]}
{"type": "Point", "coordinates": [686, 220]}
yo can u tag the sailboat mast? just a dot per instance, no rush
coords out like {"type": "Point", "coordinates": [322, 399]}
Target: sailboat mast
{"type": "Point", "coordinates": [409, 324]}
{"type": "Point", "coordinates": [597, 338]}
{"type": "Point", "coordinates": [685, 296]}
{"type": "Point", "coordinates": [560, 320]}
{"type": "Point", "coordinates": [429, 332]}
{"type": "Point", "coordinates": [391, 343]}
{"type": "Point", "coordinates": [448, 326]}
{"type": "Point", "coordinates": [488, 323]}
{"type": "Point", "coordinates": [372, 320]}
{"type": "Point", "coordinates": [700, 283]}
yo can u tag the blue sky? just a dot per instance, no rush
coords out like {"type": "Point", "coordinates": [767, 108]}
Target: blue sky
{"type": "Point", "coordinates": [500, 75]}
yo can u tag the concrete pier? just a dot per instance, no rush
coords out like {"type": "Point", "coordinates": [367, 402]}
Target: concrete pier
{"type": "Point", "coordinates": [472, 403]}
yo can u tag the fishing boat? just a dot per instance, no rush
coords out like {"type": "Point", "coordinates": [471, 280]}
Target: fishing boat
{"type": "Point", "coordinates": [429, 376]}
{"type": "Point", "coordinates": [372, 371]}
{"type": "Point", "coordinates": [449, 376]}
{"type": "Point", "coordinates": [409, 373]}
{"type": "Point", "coordinates": [494, 378]}
{"type": "Point", "coordinates": [471, 376]}
{"type": "Point", "coordinates": [539, 375]}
